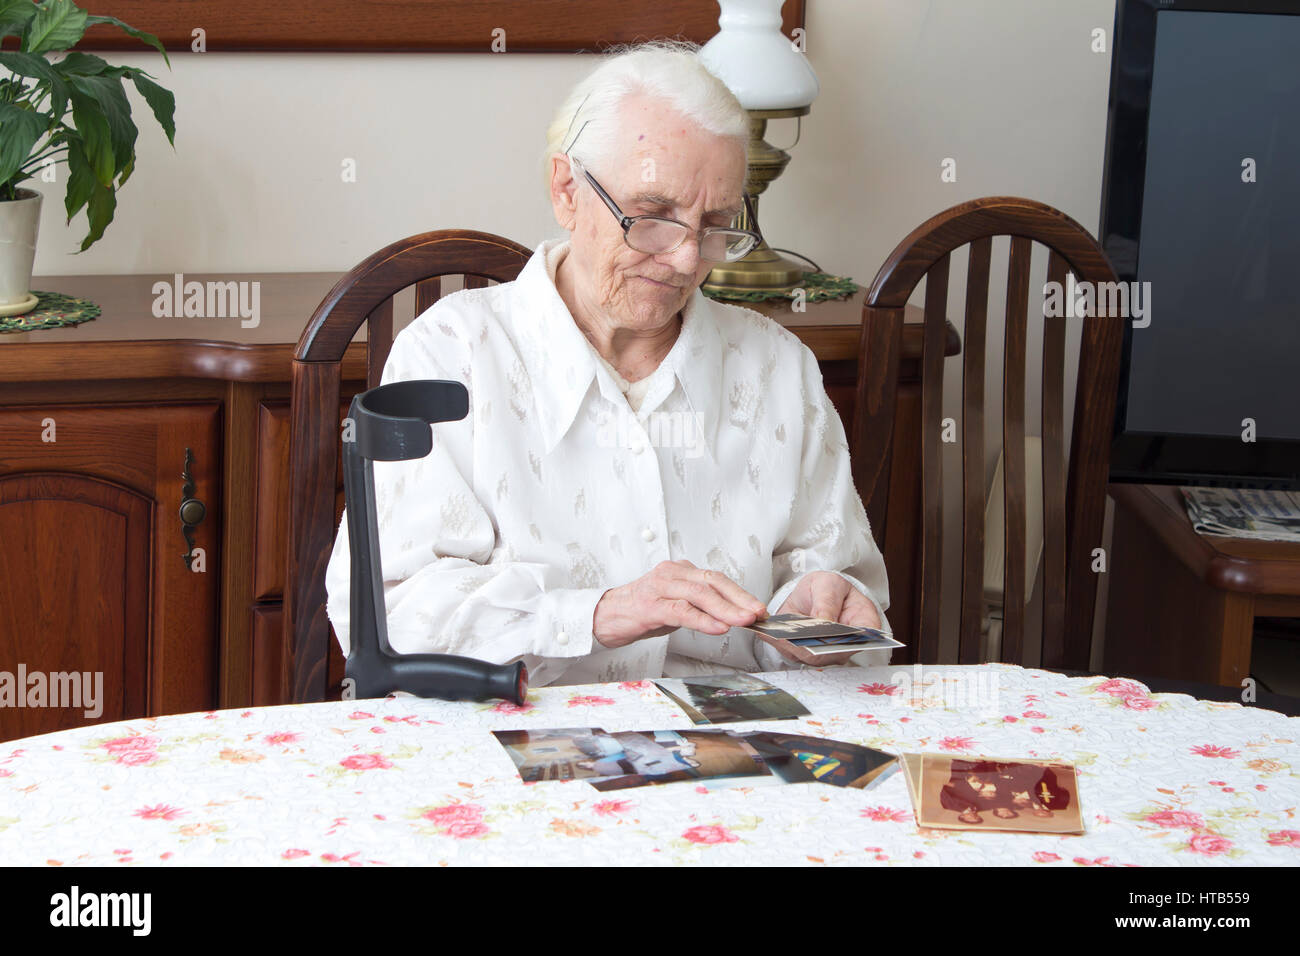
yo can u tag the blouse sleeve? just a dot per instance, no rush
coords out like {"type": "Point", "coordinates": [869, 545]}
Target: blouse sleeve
{"type": "Point", "coordinates": [828, 529]}
{"type": "Point", "coordinates": [448, 587]}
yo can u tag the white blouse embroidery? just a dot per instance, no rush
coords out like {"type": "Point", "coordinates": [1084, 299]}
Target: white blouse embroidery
{"type": "Point", "coordinates": [500, 542]}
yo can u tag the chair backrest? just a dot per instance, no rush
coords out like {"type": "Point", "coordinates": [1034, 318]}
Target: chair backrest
{"type": "Point", "coordinates": [1073, 496]}
{"type": "Point", "coordinates": [363, 295]}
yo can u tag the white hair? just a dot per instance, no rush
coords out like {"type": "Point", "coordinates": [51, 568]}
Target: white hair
{"type": "Point", "coordinates": [669, 70]}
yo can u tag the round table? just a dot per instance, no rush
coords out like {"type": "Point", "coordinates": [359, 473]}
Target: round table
{"type": "Point", "coordinates": [1164, 779]}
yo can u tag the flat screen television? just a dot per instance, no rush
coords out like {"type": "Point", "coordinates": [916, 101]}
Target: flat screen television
{"type": "Point", "coordinates": [1201, 207]}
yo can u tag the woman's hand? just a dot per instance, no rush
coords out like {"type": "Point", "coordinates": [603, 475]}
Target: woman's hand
{"type": "Point", "coordinates": [673, 594]}
{"type": "Point", "coordinates": [829, 596]}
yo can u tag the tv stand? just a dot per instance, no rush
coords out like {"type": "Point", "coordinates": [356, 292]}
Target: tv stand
{"type": "Point", "coordinates": [1183, 605]}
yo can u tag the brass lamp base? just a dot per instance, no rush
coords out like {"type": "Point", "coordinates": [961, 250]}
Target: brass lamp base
{"type": "Point", "coordinates": [763, 269]}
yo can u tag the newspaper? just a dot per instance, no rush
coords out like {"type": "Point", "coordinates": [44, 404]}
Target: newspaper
{"type": "Point", "coordinates": [1245, 512]}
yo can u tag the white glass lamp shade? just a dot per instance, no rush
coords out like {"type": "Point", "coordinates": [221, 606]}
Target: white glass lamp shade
{"type": "Point", "coordinates": [756, 60]}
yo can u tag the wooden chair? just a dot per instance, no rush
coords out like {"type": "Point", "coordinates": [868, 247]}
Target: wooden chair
{"type": "Point", "coordinates": [1073, 495]}
{"type": "Point", "coordinates": [364, 295]}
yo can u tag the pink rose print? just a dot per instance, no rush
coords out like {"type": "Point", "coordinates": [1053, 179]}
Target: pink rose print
{"type": "Point", "coordinates": [366, 762]}
{"type": "Point", "coordinates": [1209, 844]}
{"type": "Point", "coordinates": [1042, 856]}
{"type": "Point", "coordinates": [879, 689]}
{"type": "Point", "coordinates": [1177, 819]}
{"type": "Point", "coordinates": [1033, 715]}
{"type": "Point", "coordinates": [956, 743]}
{"type": "Point", "coordinates": [360, 715]}
{"type": "Point", "coordinates": [160, 812]}
{"type": "Point", "coordinates": [885, 814]}
{"type": "Point", "coordinates": [1100, 861]}
{"type": "Point", "coordinates": [634, 685]}
{"type": "Point", "coordinates": [466, 830]}
{"type": "Point", "coordinates": [6, 773]}
{"type": "Point", "coordinates": [137, 758]}
{"type": "Point", "coordinates": [507, 707]}
{"type": "Point", "coordinates": [455, 813]}
{"type": "Point", "coordinates": [121, 745]}
{"type": "Point", "coordinates": [1037, 730]}
{"type": "Point", "coordinates": [1009, 719]}
{"type": "Point", "coordinates": [1284, 838]}
{"type": "Point", "coordinates": [1209, 750]}
{"type": "Point", "coordinates": [1134, 702]}
{"type": "Point", "coordinates": [710, 834]}
{"type": "Point", "coordinates": [607, 808]}
{"type": "Point", "coordinates": [588, 700]}
{"type": "Point", "coordinates": [281, 738]}
{"type": "Point", "coordinates": [1117, 687]}
{"type": "Point", "coordinates": [293, 854]}
{"type": "Point", "coordinates": [335, 858]}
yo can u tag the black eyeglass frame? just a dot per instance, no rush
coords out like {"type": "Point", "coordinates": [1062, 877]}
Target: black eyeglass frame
{"type": "Point", "coordinates": [626, 222]}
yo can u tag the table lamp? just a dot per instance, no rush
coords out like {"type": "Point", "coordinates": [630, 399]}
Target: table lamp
{"type": "Point", "coordinates": [772, 80]}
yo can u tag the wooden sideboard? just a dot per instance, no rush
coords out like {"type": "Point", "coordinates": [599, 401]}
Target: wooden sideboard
{"type": "Point", "coordinates": [97, 423]}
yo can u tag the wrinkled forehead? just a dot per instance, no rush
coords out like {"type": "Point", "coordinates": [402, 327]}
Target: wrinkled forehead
{"type": "Point", "coordinates": [657, 144]}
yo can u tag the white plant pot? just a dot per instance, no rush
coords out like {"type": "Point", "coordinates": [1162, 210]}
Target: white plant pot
{"type": "Point", "coordinates": [19, 221]}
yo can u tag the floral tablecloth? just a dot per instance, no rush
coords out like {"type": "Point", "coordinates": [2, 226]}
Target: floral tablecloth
{"type": "Point", "coordinates": [1164, 779]}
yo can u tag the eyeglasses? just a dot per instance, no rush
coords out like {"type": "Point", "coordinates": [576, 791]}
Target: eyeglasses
{"type": "Point", "coordinates": [655, 235]}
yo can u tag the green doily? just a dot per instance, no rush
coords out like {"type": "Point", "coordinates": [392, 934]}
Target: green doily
{"type": "Point", "coordinates": [52, 309]}
{"type": "Point", "coordinates": [817, 286]}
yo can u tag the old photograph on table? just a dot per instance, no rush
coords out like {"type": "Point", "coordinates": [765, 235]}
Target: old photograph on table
{"type": "Point", "coordinates": [976, 793]}
{"type": "Point", "coordinates": [728, 698]}
{"type": "Point", "coordinates": [574, 753]}
{"type": "Point", "coordinates": [835, 762]}
{"type": "Point", "coordinates": [669, 756]}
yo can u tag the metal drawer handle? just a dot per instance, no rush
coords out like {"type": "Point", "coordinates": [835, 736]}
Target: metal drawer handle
{"type": "Point", "coordinates": [192, 511]}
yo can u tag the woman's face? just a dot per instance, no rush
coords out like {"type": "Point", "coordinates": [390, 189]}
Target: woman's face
{"type": "Point", "coordinates": [665, 166]}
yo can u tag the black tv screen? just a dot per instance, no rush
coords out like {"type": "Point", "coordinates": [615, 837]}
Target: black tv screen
{"type": "Point", "coordinates": [1201, 208]}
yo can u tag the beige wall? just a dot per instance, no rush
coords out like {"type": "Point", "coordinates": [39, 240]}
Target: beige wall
{"type": "Point", "coordinates": [1010, 89]}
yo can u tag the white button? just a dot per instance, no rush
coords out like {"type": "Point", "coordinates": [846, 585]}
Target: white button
{"type": "Point", "coordinates": [647, 534]}
{"type": "Point", "coordinates": [561, 637]}
{"type": "Point", "coordinates": [638, 448]}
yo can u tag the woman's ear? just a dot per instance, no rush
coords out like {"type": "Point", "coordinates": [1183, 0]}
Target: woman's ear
{"type": "Point", "coordinates": [564, 192]}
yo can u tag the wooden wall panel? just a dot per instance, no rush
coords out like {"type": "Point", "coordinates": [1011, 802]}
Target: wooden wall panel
{"type": "Point", "coordinates": [425, 26]}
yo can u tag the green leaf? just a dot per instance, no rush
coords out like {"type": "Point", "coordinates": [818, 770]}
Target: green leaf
{"type": "Point", "coordinates": [161, 101]}
{"type": "Point", "coordinates": [81, 179]}
{"type": "Point", "coordinates": [96, 137]}
{"type": "Point", "coordinates": [19, 130]}
{"type": "Point", "coordinates": [14, 16]}
{"type": "Point", "coordinates": [82, 64]}
{"type": "Point", "coordinates": [99, 211]}
{"type": "Point", "coordinates": [40, 69]}
{"type": "Point", "coordinates": [148, 38]}
{"type": "Point", "coordinates": [108, 95]}
{"type": "Point", "coordinates": [57, 25]}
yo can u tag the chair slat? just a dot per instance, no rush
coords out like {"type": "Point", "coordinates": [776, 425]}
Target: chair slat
{"type": "Point", "coordinates": [1013, 450]}
{"type": "Point", "coordinates": [873, 423]}
{"type": "Point", "coordinates": [475, 282]}
{"type": "Point", "coordinates": [1054, 468]}
{"type": "Point", "coordinates": [427, 292]}
{"type": "Point", "coordinates": [379, 339]}
{"type": "Point", "coordinates": [972, 444]}
{"type": "Point", "coordinates": [932, 354]}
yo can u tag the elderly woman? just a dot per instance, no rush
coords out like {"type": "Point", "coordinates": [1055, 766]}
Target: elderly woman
{"type": "Point", "coordinates": [643, 471]}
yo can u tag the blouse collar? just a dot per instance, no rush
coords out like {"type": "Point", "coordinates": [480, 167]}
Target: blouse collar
{"type": "Point", "coordinates": [561, 363]}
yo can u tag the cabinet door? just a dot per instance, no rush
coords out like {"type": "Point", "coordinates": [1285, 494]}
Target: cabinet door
{"type": "Point", "coordinates": [95, 590]}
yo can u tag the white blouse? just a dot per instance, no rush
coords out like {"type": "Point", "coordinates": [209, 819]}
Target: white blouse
{"type": "Point", "coordinates": [499, 543]}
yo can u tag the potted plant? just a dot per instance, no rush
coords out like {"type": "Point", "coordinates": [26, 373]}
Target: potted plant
{"type": "Point", "coordinates": [72, 110]}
